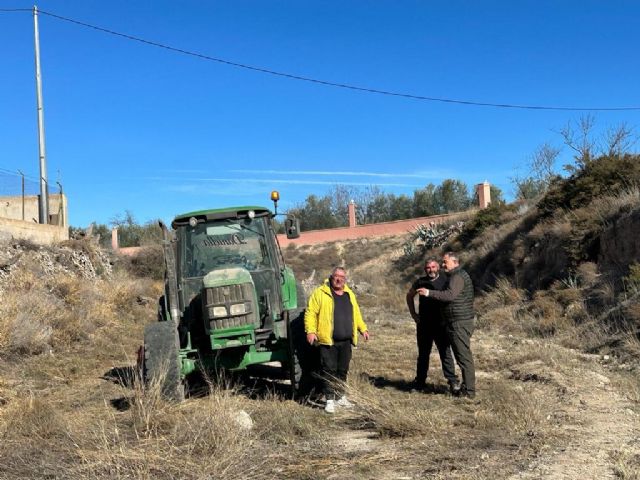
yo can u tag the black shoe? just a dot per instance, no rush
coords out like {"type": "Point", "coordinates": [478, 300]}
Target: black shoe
{"type": "Point", "coordinates": [454, 388]}
{"type": "Point", "coordinates": [417, 386]}
{"type": "Point", "coordinates": [464, 393]}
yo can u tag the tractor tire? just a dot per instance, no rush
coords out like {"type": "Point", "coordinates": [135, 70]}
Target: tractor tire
{"type": "Point", "coordinates": [161, 363]}
{"type": "Point", "coordinates": [162, 311]}
{"type": "Point", "coordinates": [296, 340]}
{"type": "Point", "coordinates": [301, 354]}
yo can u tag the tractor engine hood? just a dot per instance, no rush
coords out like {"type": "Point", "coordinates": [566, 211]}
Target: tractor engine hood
{"type": "Point", "coordinates": [227, 276]}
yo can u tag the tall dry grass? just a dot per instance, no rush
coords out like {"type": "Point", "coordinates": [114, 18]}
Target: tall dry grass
{"type": "Point", "coordinates": [43, 314]}
{"type": "Point", "coordinates": [207, 438]}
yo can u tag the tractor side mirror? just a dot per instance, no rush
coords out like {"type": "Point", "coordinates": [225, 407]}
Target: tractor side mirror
{"type": "Point", "coordinates": [292, 227]}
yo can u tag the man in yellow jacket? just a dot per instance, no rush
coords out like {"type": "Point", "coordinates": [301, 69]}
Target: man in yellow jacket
{"type": "Point", "coordinates": [332, 321]}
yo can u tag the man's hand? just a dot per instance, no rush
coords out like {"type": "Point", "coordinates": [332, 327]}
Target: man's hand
{"type": "Point", "coordinates": [423, 291]}
{"type": "Point", "coordinates": [312, 338]}
{"type": "Point", "coordinates": [415, 316]}
{"type": "Point", "coordinates": [365, 335]}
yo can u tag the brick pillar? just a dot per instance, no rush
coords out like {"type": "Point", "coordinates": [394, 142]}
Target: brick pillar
{"type": "Point", "coordinates": [352, 214]}
{"type": "Point", "coordinates": [484, 194]}
{"type": "Point", "coordinates": [114, 239]}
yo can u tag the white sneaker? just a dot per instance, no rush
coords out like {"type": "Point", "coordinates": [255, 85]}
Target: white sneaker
{"type": "Point", "coordinates": [344, 402]}
{"type": "Point", "coordinates": [330, 406]}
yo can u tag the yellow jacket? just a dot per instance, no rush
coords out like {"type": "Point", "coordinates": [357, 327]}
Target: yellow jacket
{"type": "Point", "coordinates": [318, 317]}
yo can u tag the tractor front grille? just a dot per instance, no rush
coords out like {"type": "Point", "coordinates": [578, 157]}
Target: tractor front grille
{"type": "Point", "coordinates": [229, 306]}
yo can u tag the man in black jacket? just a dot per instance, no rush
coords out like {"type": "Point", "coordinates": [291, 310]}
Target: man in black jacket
{"type": "Point", "coordinates": [430, 327]}
{"type": "Point", "coordinates": [457, 301]}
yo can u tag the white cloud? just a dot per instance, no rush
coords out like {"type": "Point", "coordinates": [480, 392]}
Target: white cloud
{"type": "Point", "coordinates": [424, 174]}
{"type": "Point", "coordinates": [279, 181]}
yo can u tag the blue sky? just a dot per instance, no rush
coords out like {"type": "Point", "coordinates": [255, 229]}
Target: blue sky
{"type": "Point", "coordinates": [134, 127]}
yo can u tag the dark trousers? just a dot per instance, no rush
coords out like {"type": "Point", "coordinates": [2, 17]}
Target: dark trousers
{"type": "Point", "coordinates": [427, 334]}
{"type": "Point", "coordinates": [334, 365]}
{"type": "Point", "coordinates": [460, 337]}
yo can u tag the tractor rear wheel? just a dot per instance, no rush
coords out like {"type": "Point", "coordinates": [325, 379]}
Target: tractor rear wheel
{"type": "Point", "coordinates": [296, 347]}
{"type": "Point", "coordinates": [161, 363]}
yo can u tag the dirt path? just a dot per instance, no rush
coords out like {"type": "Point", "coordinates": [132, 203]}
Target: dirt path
{"type": "Point", "coordinates": [584, 403]}
{"type": "Point", "coordinates": [603, 426]}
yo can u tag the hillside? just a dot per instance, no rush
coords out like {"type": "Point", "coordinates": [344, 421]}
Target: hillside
{"type": "Point", "coordinates": [557, 354]}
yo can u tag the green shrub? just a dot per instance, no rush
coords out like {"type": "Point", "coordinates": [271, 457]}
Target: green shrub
{"type": "Point", "coordinates": [485, 218]}
{"type": "Point", "coordinates": [603, 176]}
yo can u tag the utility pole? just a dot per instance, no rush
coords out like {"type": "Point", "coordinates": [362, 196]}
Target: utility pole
{"type": "Point", "coordinates": [43, 203]}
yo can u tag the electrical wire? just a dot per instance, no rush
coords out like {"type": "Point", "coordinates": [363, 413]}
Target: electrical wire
{"type": "Point", "coordinates": [326, 82]}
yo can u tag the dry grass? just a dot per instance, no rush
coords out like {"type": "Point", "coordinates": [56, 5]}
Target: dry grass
{"type": "Point", "coordinates": [150, 439]}
{"type": "Point", "coordinates": [60, 419]}
{"type": "Point", "coordinates": [608, 207]}
{"type": "Point", "coordinates": [39, 315]}
{"type": "Point", "coordinates": [626, 464]}
{"type": "Point", "coordinates": [71, 429]}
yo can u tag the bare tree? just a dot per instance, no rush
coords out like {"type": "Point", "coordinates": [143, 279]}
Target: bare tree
{"type": "Point", "coordinates": [542, 163]}
{"type": "Point", "coordinates": [619, 140]}
{"type": "Point", "coordinates": [580, 139]}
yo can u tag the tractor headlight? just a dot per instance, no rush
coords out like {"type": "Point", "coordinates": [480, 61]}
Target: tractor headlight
{"type": "Point", "coordinates": [218, 311]}
{"type": "Point", "coordinates": [238, 309]}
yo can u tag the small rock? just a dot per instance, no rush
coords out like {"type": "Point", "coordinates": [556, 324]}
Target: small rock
{"type": "Point", "coordinates": [243, 420]}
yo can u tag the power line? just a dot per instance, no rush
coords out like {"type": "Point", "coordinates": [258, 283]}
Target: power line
{"type": "Point", "coordinates": [328, 83]}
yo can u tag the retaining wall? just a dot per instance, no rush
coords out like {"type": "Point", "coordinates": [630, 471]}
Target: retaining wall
{"type": "Point", "coordinates": [35, 232]}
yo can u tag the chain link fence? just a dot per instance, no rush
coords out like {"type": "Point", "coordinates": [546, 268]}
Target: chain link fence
{"type": "Point", "coordinates": [17, 192]}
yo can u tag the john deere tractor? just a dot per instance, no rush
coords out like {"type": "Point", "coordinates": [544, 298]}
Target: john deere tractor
{"type": "Point", "coordinates": [230, 301]}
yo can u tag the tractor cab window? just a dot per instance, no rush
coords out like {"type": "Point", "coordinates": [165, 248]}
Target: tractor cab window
{"type": "Point", "coordinates": [229, 243]}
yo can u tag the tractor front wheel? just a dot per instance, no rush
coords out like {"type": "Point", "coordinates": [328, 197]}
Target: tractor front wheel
{"type": "Point", "coordinates": [161, 362]}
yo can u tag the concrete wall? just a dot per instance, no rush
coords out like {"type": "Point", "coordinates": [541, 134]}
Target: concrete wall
{"type": "Point", "coordinates": [40, 234]}
{"type": "Point", "coordinates": [12, 208]}
{"type": "Point", "coordinates": [372, 230]}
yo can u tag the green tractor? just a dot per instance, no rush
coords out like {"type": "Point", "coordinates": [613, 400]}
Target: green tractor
{"type": "Point", "coordinates": [230, 301]}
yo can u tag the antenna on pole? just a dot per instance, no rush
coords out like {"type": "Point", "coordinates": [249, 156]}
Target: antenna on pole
{"type": "Point", "coordinates": [43, 202]}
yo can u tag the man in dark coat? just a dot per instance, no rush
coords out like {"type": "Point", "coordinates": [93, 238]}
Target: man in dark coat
{"type": "Point", "coordinates": [459, 316]}
{"type": "Point", "coordinates": [430, 327]}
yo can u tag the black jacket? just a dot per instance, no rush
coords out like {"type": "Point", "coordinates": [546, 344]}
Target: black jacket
{"type": "Point", "coordinates": [457, 297]}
